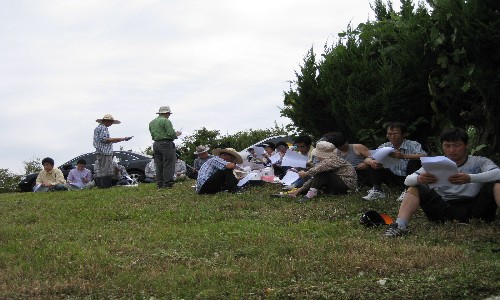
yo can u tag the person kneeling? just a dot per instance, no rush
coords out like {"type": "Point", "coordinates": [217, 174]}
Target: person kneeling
{"type": "Point", "coordinates": [216, 174]}
{"type": "Point", "coordinates": [332, 174]}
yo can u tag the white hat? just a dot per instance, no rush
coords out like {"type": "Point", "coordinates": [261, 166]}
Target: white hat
{"type": "Point", "coordinates": [108, 117]}
{"type": "Point", "coordinates": [164, 110]}
{"type": "Point", "coordinates": [200, 149]}
{"type": "Point", "coordinates": [324, 149]}
{"type": "Point", "coordinates": [231, 151]}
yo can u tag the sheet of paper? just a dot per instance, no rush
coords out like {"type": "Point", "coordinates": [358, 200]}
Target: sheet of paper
{"type": "Point", "coordinates": [246, 178]}
{"type": "Point", "coordinates": [37, 187]}
{"type": "Point", "coordinates": [382, 156]}
{"type": "Point", "coordinates": [275, 158]}
{"type": "Point", "coordinates": [294, 159]}
{"type": "Point", "coordinates": [440, 166]}
{"type": "Point", "coordinates": [259, 151]}
{"type": "Point", "coordinates": [290, 177]}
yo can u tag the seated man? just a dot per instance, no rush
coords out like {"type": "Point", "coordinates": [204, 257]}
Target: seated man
{"type": "Point", "coordinates": [120, 175]}
{"type": "Point", "coordinates": [80, 177]}
{"type": "Point", "coordinates": [50, 178]}
{"type": "Point", "coordinates": [202, 157]}
{"type": "Point", "coordinates": [304, 146]}
{"type": "Point", "coordinates": [180, 168]}
{"type": "Point", "coordinates": [216, 174]}
{"type": "Point", "coordinates": [333, 174]}
{"type": "Point", "coordinates": [475, 192]}
{"type": "Point", "coordinates": [408, 152]}
{"type": "Point", "coordinates": [353, 153]}
{"type": "Point", "coordinates": [150, 172]}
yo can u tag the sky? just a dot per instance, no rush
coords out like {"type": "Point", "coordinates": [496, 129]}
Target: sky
{"type": "Point", "coordinates": [219, 64]}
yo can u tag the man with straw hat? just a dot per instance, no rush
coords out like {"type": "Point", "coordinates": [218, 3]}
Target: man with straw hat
{"type": "Point", "coordinates": [216, 174]}
{"type": "Point", "coordinates": [163, 135]}
{"type": "Point", "coordinates": [202, 156]}
{"type": "Point", "coordinates": [103, 144]}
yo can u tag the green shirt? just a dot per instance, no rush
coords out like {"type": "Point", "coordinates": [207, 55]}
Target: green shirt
{"type": "Point", "coordinates": [161, 128]}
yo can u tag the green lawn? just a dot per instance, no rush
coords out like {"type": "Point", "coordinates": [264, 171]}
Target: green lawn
{"type": "Point", "coordinates": [145, 243]}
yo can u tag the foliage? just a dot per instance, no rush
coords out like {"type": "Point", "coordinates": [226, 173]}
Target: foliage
{"type": "Point", "coordinates": [8, 181]}
{"type": "Point", "coordinates": [435, 68]}
{"type": "Point", "coordinates": [214, 139]}
{"type": "Point", "coordinates": [34, 165]}
{"type": "Point", "coordinates": [145, 243]}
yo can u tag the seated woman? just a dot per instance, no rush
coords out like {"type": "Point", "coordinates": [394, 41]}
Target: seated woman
{"type": "Point", "coordinates": [331, 174]}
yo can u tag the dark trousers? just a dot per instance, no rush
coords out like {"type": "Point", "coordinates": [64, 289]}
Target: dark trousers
{"type": "Point", "coordinates": [329, 182]}
{"type": "Point", "coordinates": [379, 176]}
{"type": "Point", "coordinates": [483, 206]}
{"type": "Point", "coordinates": [164, 157]}
{"type": "Point", "coordinates": [219, 181]}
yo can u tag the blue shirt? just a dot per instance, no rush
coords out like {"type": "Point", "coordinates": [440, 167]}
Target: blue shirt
{"type": "Point", "coordinates": [101, 133]}
{"type": "Point", "coordinates": [208, 169]}
{"type": "Point", "coordinates": [407, 147]}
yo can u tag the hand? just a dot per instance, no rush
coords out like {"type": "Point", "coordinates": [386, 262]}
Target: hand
{"type": "Point", "coordinates": [362, 166]}
{"type": "Point", "coordinates": [459, 178]}
{"type": "Point", "coordinates": [294, 193]}
{"type": "Point", "coordinates": [375, 164]}
{"type": "Point", "coordinates": [426, 178]}
{"type": "Point", "coordinates": [128, 138]}
{"type": "Point", "coordinates": [397, 154]}
{"type": "Point", "coordinates": [302, 174]}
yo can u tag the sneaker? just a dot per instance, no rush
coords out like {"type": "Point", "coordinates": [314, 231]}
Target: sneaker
{"type": "Point", "coordinates": [401, 197]}
{"type": "Point", "coordinates": [374, 195]}
{"type": "Point", "coordinates": [395, 231]}
{"type": "Point", "coordinates": [312, 193]}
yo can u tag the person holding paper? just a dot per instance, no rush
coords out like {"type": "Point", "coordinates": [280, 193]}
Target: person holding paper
{"type": "Point", "coordinates": [332, 174]}
{"type": "Point", "coordinates": [304, 146]}
{"type": "Point", "coordinates": [163, 134]}
{"type": "Point", "coordinates": [50, 178]}
{"type": "Point", "coordinates": [408, 154]}
{"type": "Point", "coordinates": [216, 174]}
{"type": "Point", "coordinates": [472, 193]}
{"type": "Point", "coordinates": [80, 177]}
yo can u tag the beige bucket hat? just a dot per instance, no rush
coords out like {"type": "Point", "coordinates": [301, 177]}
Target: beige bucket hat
{"type": "Point", "coordinates": [324, 149]}
{"type": "Point", "coordinates": [164, 110]}
{"type": "Point", "coordinates": [200, 149]}
{"type": "Point", "coordinates": [108, 117]}
{"type": "Point", "coordinates": [237, 156]}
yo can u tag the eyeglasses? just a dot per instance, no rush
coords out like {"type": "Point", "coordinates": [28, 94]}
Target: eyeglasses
{"type": "Point", "coordinates": [393, 134]}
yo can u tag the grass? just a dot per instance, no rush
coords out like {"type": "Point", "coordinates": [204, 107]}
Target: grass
{"type": "Point", "coordinates": [145, 243]}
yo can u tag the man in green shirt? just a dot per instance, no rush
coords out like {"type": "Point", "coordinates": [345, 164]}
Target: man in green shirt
{"type": "Point", "coordinates": [163, 135]}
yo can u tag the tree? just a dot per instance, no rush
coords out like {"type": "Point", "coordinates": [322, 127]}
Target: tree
{"type": "Point", "coordinates": [33, 165]}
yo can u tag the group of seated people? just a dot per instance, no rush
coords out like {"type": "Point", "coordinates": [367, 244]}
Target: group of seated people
{"type": "Point", "coordinates": [337, 167]}
{"type": "Point", "coordinates": [52, 179]}
{"type": "Point", "coordinates": [180, 173]}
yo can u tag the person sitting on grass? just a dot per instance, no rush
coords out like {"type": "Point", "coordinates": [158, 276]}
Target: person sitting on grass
{"type": "Point", "coordinates": [50, 178]}
{"type": "Point", "coordinates": [202, 157]}
{"type": "Point", "coordinates": [150, 172]}
{"type": "Point", "coordinates": [80, 177]}
{"type": "Point", "coordinates": [332, 174]}
{"type": "Point", "coordinates": [180, 168]}
{"type": "Point", "coordinates": [474, 193]}
{"type": "Point", "coordinates": [216, 174]}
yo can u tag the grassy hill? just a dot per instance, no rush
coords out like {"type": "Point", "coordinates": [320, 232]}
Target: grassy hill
{"type": "Point", "coordinates": [145, 243]}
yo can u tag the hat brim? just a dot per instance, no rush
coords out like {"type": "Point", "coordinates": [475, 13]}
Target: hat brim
{"type": "Point", "coordinates": [237, 156]}
{"type": "Point", "coordinates": [167, 112]}
{"type": "Point", "coordinates": [114, 121]}
{"type": "Point", "coordinates": [208, 149]}
{"type": "Point", "coordinates": [322, 154]}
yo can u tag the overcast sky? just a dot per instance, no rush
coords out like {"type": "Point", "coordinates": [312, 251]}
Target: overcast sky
{"type": "Point", "coordinates": [219, 64]}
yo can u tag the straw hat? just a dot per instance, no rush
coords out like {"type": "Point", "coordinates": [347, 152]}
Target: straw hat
{"type": "Point", "coordinates": [231, 151]}
{"type": "Point", "coordinates": [108, 117]}
{"type": "Point", "coordinates": [164, 110]}
{"type": "Point", "coordinates": [200, 149]}
{"type": "Point", "coordinates": [324, 149]}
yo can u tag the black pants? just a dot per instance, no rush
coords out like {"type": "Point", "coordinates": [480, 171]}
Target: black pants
{"type": "Point", "coordinates": [379, 176]}
{"type": "Point", "coordinates": [329, 182]}
{"type": "Point", "coordinates": [483, 206]}
{"type": "Point", "coordinates": [219, 181]}
{"type": "Point", "coordinates": [164, 157]}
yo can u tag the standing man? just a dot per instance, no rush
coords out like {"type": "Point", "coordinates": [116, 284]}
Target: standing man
{"type": "Point", "coordinates": [104, 151]}
{"type": "Point", "coordinates": [474, 192]}
{"type": "Point", "coordinates": [407, 152]}
{"type": "Point", "coordinates": [163, 135]}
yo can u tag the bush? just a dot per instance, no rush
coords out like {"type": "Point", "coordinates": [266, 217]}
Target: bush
{"type": "Point", "coordinates": [8, 181]}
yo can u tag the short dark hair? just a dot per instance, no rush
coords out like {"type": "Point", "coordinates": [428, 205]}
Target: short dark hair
{"type": "Point", "coordinates": [453, 135]}
{"type": "Point", "coordinates": [303, 139]}
{"type": "Point", "coordinates": [48, 160]}
{"type": "Point", "coordinates": [327, 137]}
{"type": "Point", "coordinates": [337, 139]}
{"type": "Point", "coordinates": [400, 125]}
{"type": "Point", "coordinates": [81, 161]}
{"type": "Point", "coordinates": [270, 144]}
{"type": "Point", "coordinates": [281, 143]}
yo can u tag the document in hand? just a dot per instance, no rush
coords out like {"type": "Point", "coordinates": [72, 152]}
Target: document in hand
{"type": "Point", "coordinates": [259, 152]}
{"type": "Point", "coordinates": [275, 158]}
{"type": "Point", "coordinates": [290, 178]}
{"type": "Point", "coordinates": [247, 178]}
{"type": "Point", "coordinates": [440, 166]}
{"type": "Point", "coordinates": [294, 159]}
{"type": "Point", "coordinates": [382, 156]}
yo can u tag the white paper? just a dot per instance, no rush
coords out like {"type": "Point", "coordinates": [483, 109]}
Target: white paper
{"type": "Point", "coordinates": [382, 156]}
{"type": "Point", "coordinates": [246, 178]}
{"type": "Point", "coordinates": [290, 178]}
{"type": "Point", "coordinates": [275, 158]}
{"type": "Point", "coordinates": [37, 187]}
{"type": "Point", "coordinates": [259, 151]}
{"type": "Point", "coordinates": [440, 166]}
{"type": "Point", "coordinates": [294, 159]}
